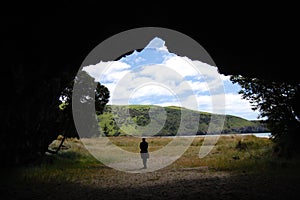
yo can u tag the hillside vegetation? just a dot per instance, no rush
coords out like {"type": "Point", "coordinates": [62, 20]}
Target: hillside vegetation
{"type": "Point", "coordinates": [168, 121]}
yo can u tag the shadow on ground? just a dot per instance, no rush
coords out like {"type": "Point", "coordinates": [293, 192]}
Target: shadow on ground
{"type": "Point", "coordinates": [232, 186]}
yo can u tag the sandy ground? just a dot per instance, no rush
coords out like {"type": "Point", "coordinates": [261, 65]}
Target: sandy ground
{"type": "Point", "coordinates": [188, 183]}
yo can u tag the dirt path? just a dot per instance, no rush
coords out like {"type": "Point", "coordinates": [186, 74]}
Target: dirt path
{"type": "Point", "coordinates": [181, 184]}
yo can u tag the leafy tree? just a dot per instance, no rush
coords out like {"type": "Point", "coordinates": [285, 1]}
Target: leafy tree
{"type": "Point", "coordinates": [105, 130]}
{"type": "Point", "coordinates": [277, 102]}
{"type": "Point", "coordinates": [30, 116]}
{"type": "Point", "coordinates": [91, 94]}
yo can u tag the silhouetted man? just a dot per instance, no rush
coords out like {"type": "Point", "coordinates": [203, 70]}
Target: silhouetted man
{"type": "Point", "coordinates": [144, 152]}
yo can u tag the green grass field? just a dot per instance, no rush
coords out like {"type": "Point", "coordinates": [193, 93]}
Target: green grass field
{"type": "Point", "coordinates": [74, 173]}
{"type": "Point", "coordinates": [255, 154]}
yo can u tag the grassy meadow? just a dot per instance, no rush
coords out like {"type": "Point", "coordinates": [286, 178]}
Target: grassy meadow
{"type": "Point", "coordinates": [74, 159]}
{"type": "Point", "coordinates": [234, 162]}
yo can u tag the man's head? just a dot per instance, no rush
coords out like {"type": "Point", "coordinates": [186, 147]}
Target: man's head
{"type": "Point", "coordinates": [143, 139]}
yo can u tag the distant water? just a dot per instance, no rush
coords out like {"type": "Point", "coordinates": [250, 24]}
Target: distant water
{"type": "Point", "coordinates": [260, 135]}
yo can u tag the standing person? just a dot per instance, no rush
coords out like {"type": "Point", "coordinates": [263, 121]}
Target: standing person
{"type": "Point", "coordinates": [144, 152]}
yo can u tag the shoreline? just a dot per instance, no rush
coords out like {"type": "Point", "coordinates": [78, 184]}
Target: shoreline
{"type": "Point", "coordinates": [259, 135]}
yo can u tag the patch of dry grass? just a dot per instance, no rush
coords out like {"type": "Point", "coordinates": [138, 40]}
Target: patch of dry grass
{"type": "Point", "coordinates": [76, 163]}
{"type": "Point", "coordinates": [75, 174]}
{"type": "Point", "coordinates": [131, 144]}
{"type": "Point", "coordinates": [224, 156]}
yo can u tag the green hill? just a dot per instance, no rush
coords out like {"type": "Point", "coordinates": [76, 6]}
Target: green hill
{"type": "Point", "coordinates": [167, 121]}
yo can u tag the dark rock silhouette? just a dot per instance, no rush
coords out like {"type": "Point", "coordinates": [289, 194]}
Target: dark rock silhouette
{"type": "Point", "coordinates": [41, 55]}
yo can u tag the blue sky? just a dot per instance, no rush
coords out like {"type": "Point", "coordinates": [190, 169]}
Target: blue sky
{"type": "Point", "coordinates": [158, 77]}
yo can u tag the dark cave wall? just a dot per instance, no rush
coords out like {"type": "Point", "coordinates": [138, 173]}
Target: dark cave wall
{"type": "Point", "coordinates": [42, 49]}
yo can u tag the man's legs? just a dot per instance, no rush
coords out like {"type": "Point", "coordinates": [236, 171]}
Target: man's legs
{"type": "Point", "coordinates": [144, 161]}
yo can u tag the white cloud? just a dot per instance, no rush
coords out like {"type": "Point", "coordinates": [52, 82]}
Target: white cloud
{"type": "Point", "coordinates": [176, 81]}
{"type": "Point", "coordinates": [195, 70]}
{"type": "Point", "coordinates": [167, 79]}
{"type": "Point", "coordinates": [157, 43]}
{"type": "Point", "coordinates": [163, 48]}
{"type": "Point", "coordinates": [225, 78]}
{"type": "Point", "coordinates": [160, 73]}
{"type": "Point", "coordinates": [234, 105]}
{"type": "Point", "coordinates": [149, 81]}
{"type": "Point", "coordinates": [107, 71]}
{"type": "Point", "coordinates": [150, 90]}
{"type": "Point", "coordinates": [198, 86]}
{"type": "Point", "coordinates": [182, 65]}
